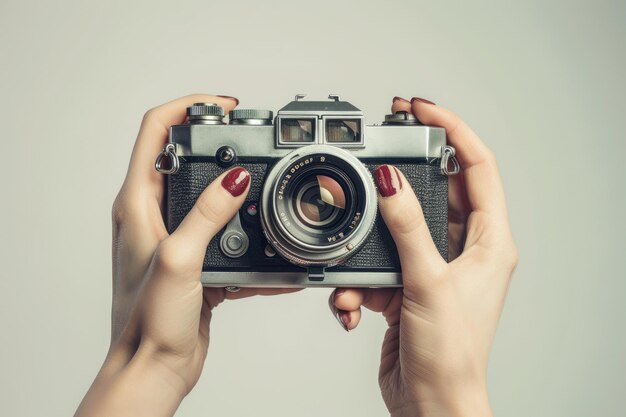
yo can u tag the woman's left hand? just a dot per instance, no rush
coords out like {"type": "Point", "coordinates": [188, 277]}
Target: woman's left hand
{"type": "Point", "coordinates": [161, 312]}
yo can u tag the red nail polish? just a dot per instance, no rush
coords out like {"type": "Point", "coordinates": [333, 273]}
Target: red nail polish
{"type": "Point", "coordinates": [396, 98]}
{"type": "Point", "coordinates": [236, 181]}
{"type": "Point", "coordinates": [345, 319]}
{"type": "Point", "coordinates": [388, 180]}
{"type": "Point", "coordinates": [232, 98]}
{"type": "Point", "coordinates": [422, 100]}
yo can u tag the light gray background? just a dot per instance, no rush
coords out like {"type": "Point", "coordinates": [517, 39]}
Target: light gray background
{"type": "Point", "coordinates": [541, 81]}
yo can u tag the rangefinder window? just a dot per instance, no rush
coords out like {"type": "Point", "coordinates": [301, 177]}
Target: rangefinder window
{"type": "Point", "coordinates": [297, 130]}
{"type": "Point", "coordinates": [343, 130]}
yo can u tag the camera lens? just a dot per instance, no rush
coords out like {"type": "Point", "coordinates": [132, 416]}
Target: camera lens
{"type": "Point", "coordinates": [320, 201]}
{"type": "Point", "coordinates": [318, 205]}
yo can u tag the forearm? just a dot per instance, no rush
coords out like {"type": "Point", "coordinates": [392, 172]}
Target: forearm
{"type": "Point", "coordinates": [140, 386]}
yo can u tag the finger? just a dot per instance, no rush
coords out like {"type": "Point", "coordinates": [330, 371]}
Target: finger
{"type": "Point", "coordinates": [350, 300]}
{"type": "Point", "coordinates": [348, 303]}
{"type": "Point", "coordinates": [345, 318]}
{"type": "Point", "coordinates": [217, 204]}
{"type": "Point", "coordinates": [251, 292]}
{"type": "Point", "coordinates": [351, 319]}
{"type": "Point", "coordinates": [482, 178]}
{"type": "Point", "coordinates": [404, 218]}
{"type": "Point", "coordinates": [400, 104]}
{"type": "Point", "coordinates": [154, 133]}
{"type": "Point", "coordinates": [214, 296]}
{"type": "Point", "coordinates": [458, 206]}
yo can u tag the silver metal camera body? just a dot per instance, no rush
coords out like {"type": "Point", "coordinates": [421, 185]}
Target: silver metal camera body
{"type": "Point", "coordinates": [310, 218]}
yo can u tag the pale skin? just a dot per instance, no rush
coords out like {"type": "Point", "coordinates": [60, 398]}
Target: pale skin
{"type": "Point", "coordinates": [441, 324]}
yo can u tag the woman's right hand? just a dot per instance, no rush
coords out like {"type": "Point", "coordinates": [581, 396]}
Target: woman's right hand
{"type": "Point", "coordinates": [161, 312]}
{"type": "Point", "coordinates": [442, 323]}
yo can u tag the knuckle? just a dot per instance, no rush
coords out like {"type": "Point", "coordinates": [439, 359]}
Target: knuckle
{"type": "Point", "coordinates": [123, 209]}
{"type": "Point", "coordinates": [208, 209]}
{"type": "Point", "coordinates": [509, 255]}
{"type": "Point", "coordinates": [168, 258]}
{"type": "Point", "coordinates": [513, 256]}
{"type": "Point", "coordinates": [119, 210]}
{"type": "Point", "coordinates": [490, 157]}
{"type": "Point", "coordinates": [117, 213]}
{"type": "Point", "coordinates": [149, 115]}
{"type": "Point", "coordinates": [488, 154]}
{"type": "Point", "coordinates": [454, 122]}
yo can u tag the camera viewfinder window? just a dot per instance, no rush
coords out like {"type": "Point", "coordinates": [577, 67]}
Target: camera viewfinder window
{"type": "Point", "coordinates": [343, 130]}
{"type": "Point", "coordinates": [297, 130]}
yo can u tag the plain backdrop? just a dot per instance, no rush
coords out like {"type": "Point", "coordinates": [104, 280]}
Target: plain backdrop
{"type": "Point", "coordinates": [542, 82]}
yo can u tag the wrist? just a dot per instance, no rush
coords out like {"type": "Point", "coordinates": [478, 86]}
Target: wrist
{"type": "Point", "coordinates": [133, 385]}
{"type": "Point", "coordinates": [468, 401]}
{"type": "Point", "coordinates": [151, 385]}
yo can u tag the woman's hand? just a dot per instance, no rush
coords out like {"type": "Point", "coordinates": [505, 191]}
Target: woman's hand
{"type": "Point", "coordinates": [442, 323]}
{"type": "Point", "coordinates": [161, 312]}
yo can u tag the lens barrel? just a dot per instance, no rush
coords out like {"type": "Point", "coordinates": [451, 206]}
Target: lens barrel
{"type": "Point", "coordinates": [318, 205]}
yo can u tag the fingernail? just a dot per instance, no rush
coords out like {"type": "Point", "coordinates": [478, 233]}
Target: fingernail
{"type": "Point", "coordinates": [345, 317]}
{"type": "Point", "coordinates": [232, 98]}
{"type": "Point", "coordinates": [236, 181]}
{"type": "Point", "coordinates": [388, 180]}
{"type": "Point", "coordinates": [396, 98]}
{"type": "Point", "coordinates": [422, 100]}
{"type": "Point", "coordinates": [339, 314]}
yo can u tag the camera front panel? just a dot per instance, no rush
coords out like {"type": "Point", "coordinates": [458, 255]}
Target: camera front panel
{"type": "Point", "coordinates": [378, 253]}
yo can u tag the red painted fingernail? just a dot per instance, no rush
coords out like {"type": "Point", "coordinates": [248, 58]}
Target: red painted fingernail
{"type": "Point", "coordinates": [232, 98]}
{"type": "Point", "coordinates": [422, 100]}
{"type": "Point", "coordinates": [388, 180]}
{"type": "Point", "coordinates": [345, 319]}
{"type": "Point", "coordinates": [236, 181]}
{"type": "Point", "coordinates": [396, 98]}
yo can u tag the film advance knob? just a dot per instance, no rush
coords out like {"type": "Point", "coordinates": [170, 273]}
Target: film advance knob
{"type": "Point", "coordinates": [251, 117]}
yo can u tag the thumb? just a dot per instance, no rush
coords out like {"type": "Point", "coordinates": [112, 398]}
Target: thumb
{"type": "Point", "coordinates": [217, 204]}
{"type": "Point", "coordinates": [403, 215]}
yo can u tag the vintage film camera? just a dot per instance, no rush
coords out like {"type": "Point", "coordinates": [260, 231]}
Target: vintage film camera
{"type": "Point", "coordinates": [310, 218]}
